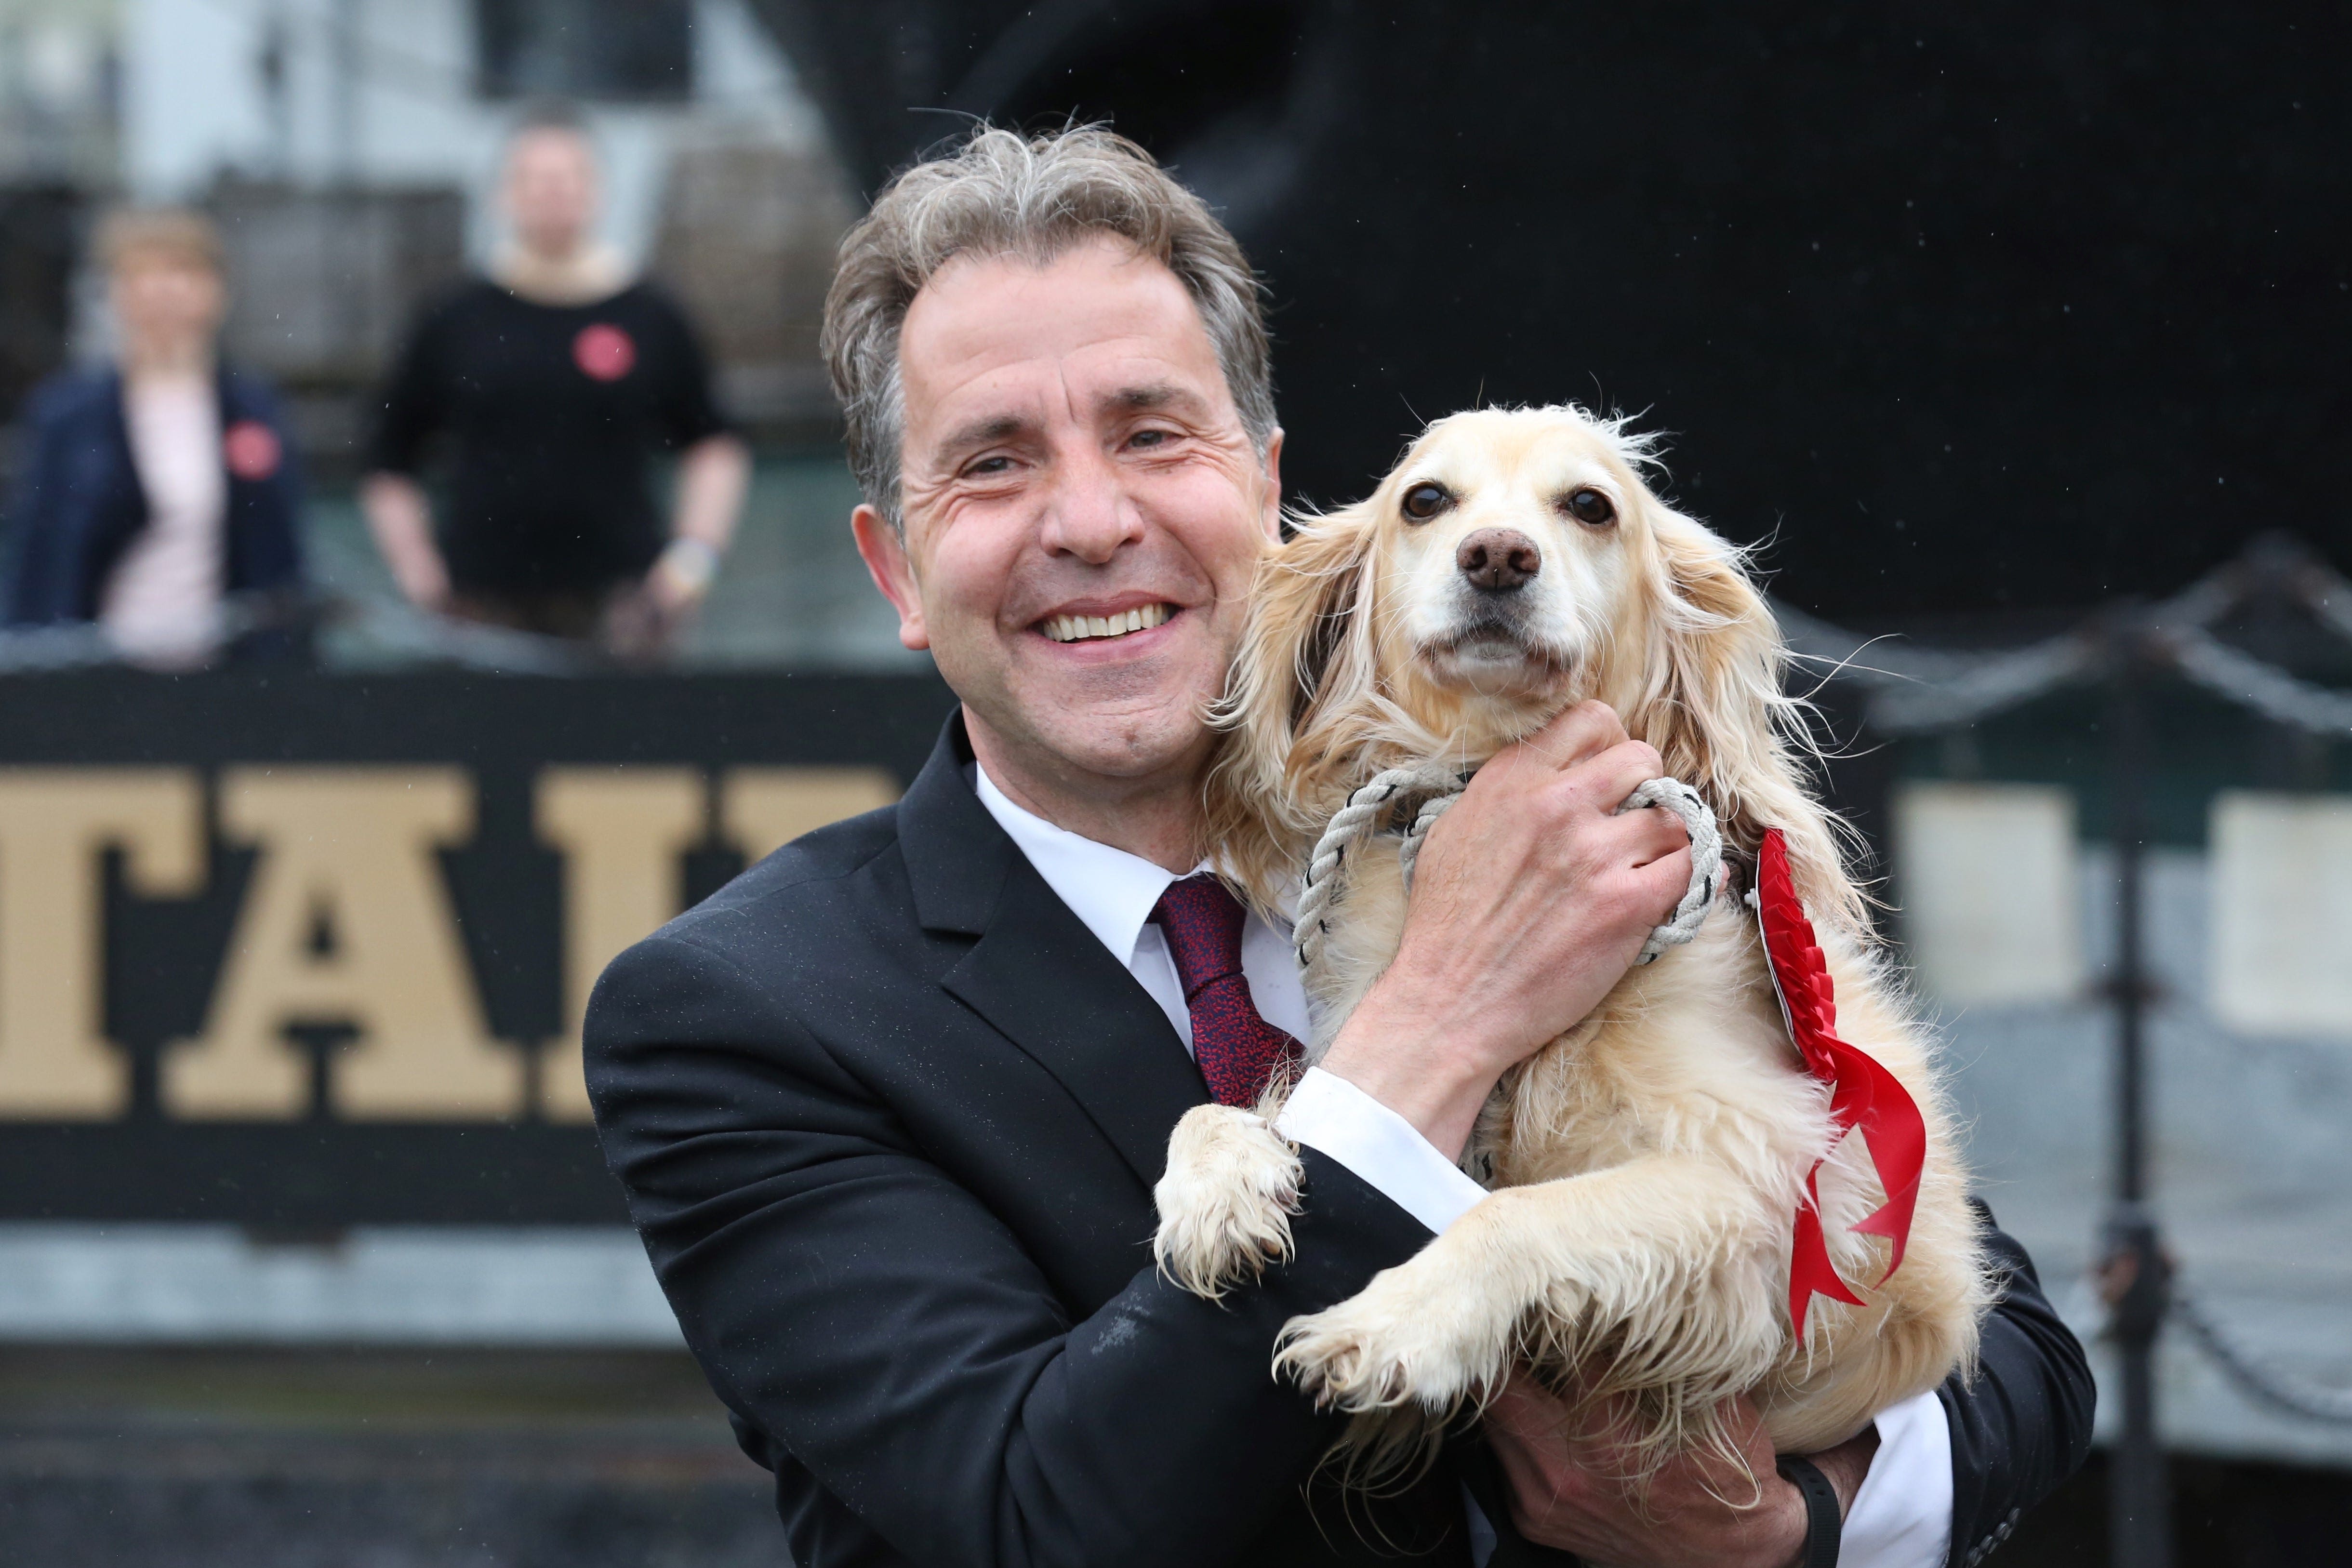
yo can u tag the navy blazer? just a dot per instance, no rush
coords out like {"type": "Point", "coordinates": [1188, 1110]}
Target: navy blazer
{"type": "Point", "coordinates": [888, 1117]}
{"type": "Point", "coordinates": [76, 503]}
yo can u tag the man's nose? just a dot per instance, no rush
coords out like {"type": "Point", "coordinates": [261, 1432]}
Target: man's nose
{"type": "Point", "coordinates": [1498, 559]}
{"type": "Point", "coordinates": [1090, 513]}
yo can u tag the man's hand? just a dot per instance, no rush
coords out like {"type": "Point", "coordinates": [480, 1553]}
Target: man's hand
{"type": "Point", "coordinates": [402, 522]}
{"type": "Point", "coordinates": [1531, 899]}
{"type": "Point", "coordinates": [1564, 1490]}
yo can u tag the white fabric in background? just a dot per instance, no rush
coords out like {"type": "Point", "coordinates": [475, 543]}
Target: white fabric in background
{"type": "Point", "coordinates": [1991, 893]}
{"type": "Point", "coordinates": [2282, 903]}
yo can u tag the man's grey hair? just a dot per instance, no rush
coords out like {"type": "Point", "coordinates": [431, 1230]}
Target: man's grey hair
{"type": "Point", "coordinates": [1002, 195]}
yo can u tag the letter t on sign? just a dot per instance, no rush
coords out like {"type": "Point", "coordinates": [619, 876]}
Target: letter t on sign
{"type": "Point", "coordinates": [55, 1060]}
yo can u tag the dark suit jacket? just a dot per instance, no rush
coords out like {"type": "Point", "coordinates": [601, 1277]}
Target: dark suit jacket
{"type": "Point", "coordinates": [888, 1118]}
{"type": "Point", "coordinates": [76, 502]}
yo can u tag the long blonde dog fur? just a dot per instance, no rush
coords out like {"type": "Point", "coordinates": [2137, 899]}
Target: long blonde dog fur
{"type": "Point", "coordinates": [1646, 1167]}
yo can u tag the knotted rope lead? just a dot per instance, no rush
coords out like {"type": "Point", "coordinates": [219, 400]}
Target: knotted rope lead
{"type": "Point", "coordinates": [1361, 817]}
{"type": "Point", "coordinates": [1358, 819]}
{"type": "Point", "coordinates": [1707, 860]}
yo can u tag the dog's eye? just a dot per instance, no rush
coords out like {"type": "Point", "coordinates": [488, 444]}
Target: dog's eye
{"type": "Point", "coordinates": [1591, 506]}
{"type": "Point", "coordinates": [1424, 502]}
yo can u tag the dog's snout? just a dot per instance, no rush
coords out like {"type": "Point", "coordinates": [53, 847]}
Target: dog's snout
{"type": "Point", "coordinates": [1498, 559]}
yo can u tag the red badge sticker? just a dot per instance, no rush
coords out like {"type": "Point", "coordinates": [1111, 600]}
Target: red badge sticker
{"type": "Point", "coordinates": [603, 351]}
{"type": "Point", "coordinates": [250, 450]}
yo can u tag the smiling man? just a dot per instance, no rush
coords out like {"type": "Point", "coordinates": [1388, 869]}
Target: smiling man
{"type": "Point", "coordinates": [888, 1108]}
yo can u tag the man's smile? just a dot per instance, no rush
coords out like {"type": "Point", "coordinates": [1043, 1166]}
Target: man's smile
{"type": "Point", "coordinates": [1081, 623]}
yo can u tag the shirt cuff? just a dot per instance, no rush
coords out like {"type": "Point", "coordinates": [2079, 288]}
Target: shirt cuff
{"type": "Point", "coordinates": [1327, 1112]}
{"type": "Point", "coordinates": [1902, 1516]}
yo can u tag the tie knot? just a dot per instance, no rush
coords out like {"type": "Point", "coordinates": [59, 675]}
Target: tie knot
{"type": "Point", "coordinates": [1202, 923]}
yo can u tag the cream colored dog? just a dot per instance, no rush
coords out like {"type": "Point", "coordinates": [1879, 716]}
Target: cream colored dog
{"type": "Point", "coordinates": [1646, 1168]}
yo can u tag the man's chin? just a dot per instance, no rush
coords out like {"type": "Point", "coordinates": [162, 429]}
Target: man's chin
{"type": "Point", "coordinates": [1129, 741]}
{"type": "Point", "coordinates": [1126, 735]}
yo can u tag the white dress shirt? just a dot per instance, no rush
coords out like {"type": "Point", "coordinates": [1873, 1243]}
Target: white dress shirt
{"type": "Point", "coordinates": [1902, 1516]}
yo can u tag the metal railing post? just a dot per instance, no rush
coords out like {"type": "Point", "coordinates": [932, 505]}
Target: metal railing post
{"type": "Point", "coordinates": [2136, 1275]}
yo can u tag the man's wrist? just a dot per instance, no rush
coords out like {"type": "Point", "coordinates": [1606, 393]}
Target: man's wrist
{"type": "Point", "coordinates": [1788, 1534]}
{"type": "Point", "coordinates": [1844, 1468]}
{"type": "Point", "coordinates": [1848, 1464]}
{"type": "Point", "coordinates": [689, 565]}
{"type": "Point", "coordinates": [1395, 1052]}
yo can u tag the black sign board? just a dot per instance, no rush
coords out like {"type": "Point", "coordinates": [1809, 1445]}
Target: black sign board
{"type": "Point", "coordinates": [306, 950]}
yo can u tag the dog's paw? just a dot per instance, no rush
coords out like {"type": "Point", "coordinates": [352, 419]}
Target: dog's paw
{"type": "Point", "coordinates": [1418, 1335]}
{"type": "Point", "coordinates": [1225, 1200]}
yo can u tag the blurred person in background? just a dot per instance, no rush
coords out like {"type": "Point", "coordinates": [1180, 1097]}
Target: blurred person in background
{"type": "Point", "coordinates": [151, 488]}
{"type": "Point", "coordinates": [557, 378]}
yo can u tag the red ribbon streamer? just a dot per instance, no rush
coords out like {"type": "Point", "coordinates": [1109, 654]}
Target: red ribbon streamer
{"type": "Point", "coordinates": [1863, 1093]}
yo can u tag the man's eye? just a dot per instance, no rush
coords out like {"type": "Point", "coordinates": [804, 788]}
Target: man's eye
{"type": "Point", "coordinates": [1148, 438]}
{"type": "Point", "coordinates": [987, 467]}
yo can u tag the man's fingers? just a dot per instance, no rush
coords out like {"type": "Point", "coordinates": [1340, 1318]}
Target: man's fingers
{"type": "Point", "coordinates": [1668, 878]}
{"type": "Point", "coordinates": [1584, 731]}
{"type": "Point", "coordinates": [1654, 834]}
{"type": "Point", "coordinates": [1607, 778]}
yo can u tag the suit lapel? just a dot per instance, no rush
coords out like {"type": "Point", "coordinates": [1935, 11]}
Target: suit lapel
{"type": "Point", "coordinates": [1038, 974]}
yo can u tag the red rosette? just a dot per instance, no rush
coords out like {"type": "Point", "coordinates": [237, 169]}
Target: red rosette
{"type": "Point", "coordinates": [1863, 1093]}
{"type": "Point", "coordinates": [250, 451]}
{"type": "Point", "coordinates": [603, 351]}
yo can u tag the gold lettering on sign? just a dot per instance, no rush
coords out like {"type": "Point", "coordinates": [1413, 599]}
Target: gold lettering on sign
{"type": "Point", "coordinates": [347, 921]}
{"type": "Point", "coordinates": [762, 809]}
{"type": "Point", "coordinates": [621, 832]}
{"type": "Point", "coordinates": [55, 823]}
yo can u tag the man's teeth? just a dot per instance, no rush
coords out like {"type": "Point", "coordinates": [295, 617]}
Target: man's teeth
{"type": "Point", "coordinates": [1074, 628]}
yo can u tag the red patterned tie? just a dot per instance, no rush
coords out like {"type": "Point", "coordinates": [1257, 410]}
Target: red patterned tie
{"type": "Point", "coordinates": [1237, 1050]}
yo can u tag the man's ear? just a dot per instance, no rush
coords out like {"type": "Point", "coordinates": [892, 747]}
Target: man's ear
{"type": "Point", "coordinates": [884, 554]}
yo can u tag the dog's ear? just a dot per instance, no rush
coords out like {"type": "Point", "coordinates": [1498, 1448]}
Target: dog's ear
{"type": "Point", "coordinates": [1715, 705]}
{"type": "Point", "coordinates": [1307, 639]}
{"type": "Point", "coordinates": [1712, 665]}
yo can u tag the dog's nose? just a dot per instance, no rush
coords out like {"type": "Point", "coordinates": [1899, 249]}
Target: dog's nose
{"type": "Point", "coordinates": [1498, 559]}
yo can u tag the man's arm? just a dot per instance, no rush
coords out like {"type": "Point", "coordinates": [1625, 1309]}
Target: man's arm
{"type": "Point", "coordinates": [712, 476]}
{"type": "Point", "coordinates": [401, 522]}
{"type": "Point", "coordinates": [864, 1312]}
{"type": "Point", "coordinates": [398, 516]}
{"type": "Point", "coordinates": [2022, 1424]}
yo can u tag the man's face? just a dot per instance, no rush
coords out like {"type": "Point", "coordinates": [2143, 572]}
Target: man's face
{"type": "Point", "coordinates": [1083, 508]}
{"type": "Point", "coordinates": [551, 192]}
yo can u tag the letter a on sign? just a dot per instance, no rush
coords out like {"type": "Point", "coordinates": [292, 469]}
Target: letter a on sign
{"type": "Point", "coordinates": [349, 853]}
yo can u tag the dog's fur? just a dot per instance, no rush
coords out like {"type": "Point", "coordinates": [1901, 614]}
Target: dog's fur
{"type": "Point", "coordinates": [1646, 1166]}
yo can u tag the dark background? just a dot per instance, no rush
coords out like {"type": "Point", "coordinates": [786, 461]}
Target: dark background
{"type": "Point", "coordinates": [1991, 308]}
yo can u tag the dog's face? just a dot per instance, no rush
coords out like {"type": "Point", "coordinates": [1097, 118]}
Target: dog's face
{"type": "Point", "coordinates": [1513, 563]}
{"type": "Point", "coordinates": [1502, 567]}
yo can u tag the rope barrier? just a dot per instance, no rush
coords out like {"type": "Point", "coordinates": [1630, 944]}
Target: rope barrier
{"type": "Point", "coordinates": [2264, 1385]}
{"type": "Point", "coordinates": [2249, 682]}
{"type": "Point", "coordinates": [1916, 691]}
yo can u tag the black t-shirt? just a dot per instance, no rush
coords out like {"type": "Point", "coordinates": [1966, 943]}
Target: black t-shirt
{"type": "Point", "coordinates": [553, 412]}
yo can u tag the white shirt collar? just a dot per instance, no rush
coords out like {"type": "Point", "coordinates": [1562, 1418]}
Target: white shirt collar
{"type": "Point", "coordinates": [1111, 891]}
